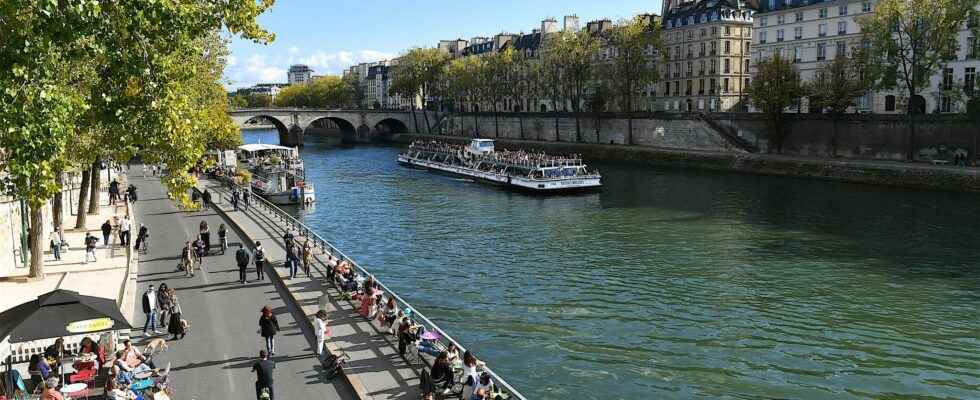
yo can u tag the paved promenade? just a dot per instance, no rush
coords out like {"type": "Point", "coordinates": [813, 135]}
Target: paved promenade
{"type": "Point", "coordinates": [214, 360]}
{"type": "Point", "coordinates": [375, 370]}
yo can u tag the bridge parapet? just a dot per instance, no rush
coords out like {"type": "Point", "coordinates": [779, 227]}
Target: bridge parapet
{"type": "Point", "coordinates": [354, 125]}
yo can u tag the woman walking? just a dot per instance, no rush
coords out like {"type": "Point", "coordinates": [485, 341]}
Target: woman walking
{"type": "Point", "coordinates": [164, 304]}
{"type": "Point", "coordinates": [268, 327]}
{"type": "Point", "coordinates": [223, 237]}
{"type": "Point", "coordinates": [187, 259]}
{"type": "Point", "coordinates": [322, 332]}
{"type": "Point", "coordinates": [206, 237]}
{"type": "Point", "coordinates": [177, 327]}
{"type": "Point", "coordinates": [259, 261]}
{"type": "Point", "coordinates": [307, 256]}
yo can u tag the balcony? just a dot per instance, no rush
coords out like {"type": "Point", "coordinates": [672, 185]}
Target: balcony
{"type": "Point", "coordinates": [798, 37]}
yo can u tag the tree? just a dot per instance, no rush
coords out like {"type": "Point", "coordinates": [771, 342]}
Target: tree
{"type": "Point", "coordinates": [908, 41]}
{"type": "Point", "coordinates": [416, 71]}
{"type": "Point", "coordinates": [495, 77]}
{"type": "Point", "coordinates": [837, 86]}
{"type": "Point", "coordinates": [574, 53]}
{"type": "Point", "coordinates": [237, 101]}
{"type": "Point", "coordinates": [551, 76]}
{"type": "Point", "coordinates": [633, 45]}
{"type": "Point", "coordinates": [328, 91]}
{"type": "Point", "coordinates": [776, 86]}
{"type": "Point", "coordinates": [357, 94]}
{"type": "Point", "coordinates": [73, 68]}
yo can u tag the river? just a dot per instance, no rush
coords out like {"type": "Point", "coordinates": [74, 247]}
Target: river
{"type": "Point", "coordinates": [674, 284]}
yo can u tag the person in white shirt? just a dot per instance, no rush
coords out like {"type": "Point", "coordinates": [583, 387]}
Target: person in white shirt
{"type": "Point", "coordinates": [150, 309]}
{"type": "Point", "coordinates": [322, 331]}
{"type": "Point", "coordinates": [124, 227]}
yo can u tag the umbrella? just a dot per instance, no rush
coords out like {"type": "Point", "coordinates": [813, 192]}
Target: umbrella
{"type": "Point", "coordinates": [61, 313]}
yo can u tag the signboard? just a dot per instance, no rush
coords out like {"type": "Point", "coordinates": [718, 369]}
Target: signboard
{"type": "Point", "coordinates": [90, 325]}
{"type": "Point", "coordinates": [231, 159]}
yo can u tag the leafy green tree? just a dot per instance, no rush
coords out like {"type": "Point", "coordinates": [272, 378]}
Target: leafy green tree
{"type": "Point", "coordinates": [72, 68]}
{"type": "Point", "coordinates": [836, 87]}
{"type": "Point", "coordinates": [632, 66]}
{"type": "Point", "coordinates": [324, 92]}
{"type": "Point", "coordinates": [908, 41]}
{"type": "Point", "coordinates": [356, 90]}
{"type": "Point", "coordinates": [776, 86]}
{"type": "Point", "coordinates": [575, 54]}
{"type": "Point", "coordinates": [416, 71]}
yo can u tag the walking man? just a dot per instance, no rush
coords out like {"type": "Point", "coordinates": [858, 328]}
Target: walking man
{"type": "Point", "coordinates": [90, 243]}
{"type": "Point", "coordinates": [322, 332]}
{"type": "Point", "coordinates": [259, 261]}
{"type": "Point", "coordinates": [234, 199]}
{"type": "Point", "coordinates": [263, 375]}
{"type": "Point", "coordinates": [206, 199]}
{"type": "Point", "coordinates": [245, 196]}
{"type": "Point", "coordinates": [113, 191]}
{"type": "Point", "coordinates": [55, 239]}
{"type": "Point", "coordinates": [124, 231]}
{"type": "Point", "coordinates": [150, 309]}
{"type": "Point", "coordinates": [106, 233]}
{"type": "Point", "coordinates": [241, 256]}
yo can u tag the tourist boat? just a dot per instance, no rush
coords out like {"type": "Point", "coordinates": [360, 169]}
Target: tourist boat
{"type": "Point", "coordinates": [523, 170]}
{"type": "Point", "coordinates": [277, 173]}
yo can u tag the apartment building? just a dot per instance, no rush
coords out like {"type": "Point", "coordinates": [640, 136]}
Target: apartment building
{"type": "Point", "coordinates": [707, 44]}
{"type": "Point", "coordinates": [299, 74]}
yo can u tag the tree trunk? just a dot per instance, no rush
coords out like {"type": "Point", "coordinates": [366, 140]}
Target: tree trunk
{"type": "Point", "coordinates": [911, 141]}
{"type": "Point", "coordinates": [578, 128]}
{"type": "Point", "coordinates": [496, 122]}
{"type": "Point", "coordinates": [833, 138]}
{"type": "Point", "coordinates": [520, 120]}
{"type": "Point", "coordinates": [425, 115]}
{"type": "Point", "coordinates": [82, 199]}
{"type": "Point", "coordinates": [93, 200]}
{"type": "Point", "coordinates": [629, 127]}
{"type": "Point", "coordinates": [415, 119]}
{"type": "Point", "coordinates": [56, 202]}
{"type": "Point", "coordinates": [476, 125]}
{"type": "Point", "coordinates": [557, 134]}
{"type": "Point", "coordinates": [598, 126]}
{"type": "Point", "coordinates": [34, 236]}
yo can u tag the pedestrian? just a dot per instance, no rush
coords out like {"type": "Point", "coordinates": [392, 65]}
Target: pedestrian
{"type": "Point", "coordinates": [205, 232]}
{"type": "Point", "coordinates": [234, 199]}
{"type": "Point", "coordinates": [131, 193]}
{"type": "Point", "coordinates": [268, 327]}
{"type": "Point", "coordinates": [223, 238]}
{"type": "Point", "coordinates": [141, 237]}
{"type": "Point", "coordinates": [206, 199]}
{"type": "Point", "coordinates": [322, 332]}
{"type": "Point", "coordinates": [259, 261]}
{"type": "Point", "coordinates": [245, 198]}
{"type": "Point", "coordinates": [55, 243]}
{"type": "Point", "coordinates": [124, 227]}
{"type": "Point", "coordinates": [90, 243]}
{"type": "Point", "coordinates": [113, 191]}
{"type": "Point", "coordinates": [242, 257]}
{"type": "Point", "coordinates": [144, 170]}
{"type": "Point", "coordinates": [187, 259]}
{"type": "Point", "coordinates": [307, 256]}
{"type": "Point", "coordinates": [199, 250]}
{"type": "Point", "coordinates": [263, 376]}
{"type": "Point", "coordinates": [150, 309]}
{"type": "Point", "coordinates": [178, 328]}
{"type": "Point", "coordinates": [106, 232]}
{"type": "Point", "coordinates": [164, 304]}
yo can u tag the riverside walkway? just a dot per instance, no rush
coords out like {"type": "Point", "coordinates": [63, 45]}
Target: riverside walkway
{"type": "Point", "coordinates": [375, 370]}
{"type": "Point", "coordinates": [214, 360]}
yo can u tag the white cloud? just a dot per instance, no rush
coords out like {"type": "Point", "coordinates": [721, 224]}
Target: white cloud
{"type": "Point", "coordinates": [265, 67]}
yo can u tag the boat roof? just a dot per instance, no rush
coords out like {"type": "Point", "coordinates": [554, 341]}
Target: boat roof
{"type": "Point", "coordinates": [482, 140]}
{"type": "Point", "coordinates": [262, 146]}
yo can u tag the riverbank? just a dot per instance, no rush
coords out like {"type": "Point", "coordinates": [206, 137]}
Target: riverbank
{"type": "Point", "coordinates": [870, 172]}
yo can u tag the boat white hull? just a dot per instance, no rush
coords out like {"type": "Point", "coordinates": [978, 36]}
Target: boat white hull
{"type": "Point", "coordinates": [534, 185]}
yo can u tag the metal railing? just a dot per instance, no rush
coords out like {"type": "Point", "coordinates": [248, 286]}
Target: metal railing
{"type": "Point", "coordinates": [291, 224]}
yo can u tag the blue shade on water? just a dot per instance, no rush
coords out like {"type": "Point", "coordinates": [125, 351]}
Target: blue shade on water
{"type": "Point", "coordinates": [674, 284]}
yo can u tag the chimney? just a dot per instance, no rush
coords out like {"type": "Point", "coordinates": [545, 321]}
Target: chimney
{"type": "Point", "coordinates": [571, 23]}
{"type": "Point", "coordinates": [549, 26]}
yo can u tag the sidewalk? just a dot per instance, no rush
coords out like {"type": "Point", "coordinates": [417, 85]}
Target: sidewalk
{"type": "Point", "coordinates": [375, 370]}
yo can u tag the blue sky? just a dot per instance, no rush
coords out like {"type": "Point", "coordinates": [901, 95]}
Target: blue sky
{"type": "Point", "coordinates": [330, 35]}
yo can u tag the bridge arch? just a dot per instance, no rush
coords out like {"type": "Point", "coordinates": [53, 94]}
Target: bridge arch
{"type": "Point", "coordinates": [390, 126]}
{"type": "Point", "coordinates": [284, 130]}
{"type": "Point", "coordinates": [335, 126]}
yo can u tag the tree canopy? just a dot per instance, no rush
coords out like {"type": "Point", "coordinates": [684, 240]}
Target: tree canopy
{"type": "Point", "coordinates": [324, 92]}
{"type": "Point", "coordinates": [776, 86]}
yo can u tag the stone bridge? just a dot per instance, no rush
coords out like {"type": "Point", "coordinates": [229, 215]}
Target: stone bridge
{"type": "Point", "coordinates": [349, 126]}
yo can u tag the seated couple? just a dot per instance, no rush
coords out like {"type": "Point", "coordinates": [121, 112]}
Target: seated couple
{"type": "Point", "coordinates": [129, 361]}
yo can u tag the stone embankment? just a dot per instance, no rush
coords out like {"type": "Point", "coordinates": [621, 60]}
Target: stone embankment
{"type": "Point", "coordinates": [873, 172]}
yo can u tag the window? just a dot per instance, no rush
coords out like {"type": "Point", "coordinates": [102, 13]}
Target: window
{"type": "Point", "coordinates": [822, 30]}
{"type": "Point", "coordinates": [728, 47]}
{"type": "Point", "coordinates": [704, 33]}
{"type": "Point", "coordinates": [947, 78]}
{"type": "Point", "coordinates": [841, 49]}
{"type": "Point", "coordinates": [764, 21]}
{"type": "Point", "coordinates": [781, 19]}
{"type": "Point", "coordinates": [797, 53]}
{"type": "Point", "coordinates": [701, 69]}
{"type": "Point", "coordinates": [779, 35]}
{"type": "Point", "coordinates": [701, 87]}
{"type": "Point", "coordinates": [728, 66]}
{"type": "Point", "coordinates": [972, 51]}
{"type": "Point", "coordinates": [946, 105]}
{"type": "Point", "coordinates": [712, 67]}
{"type": "Point", "coordinates": [821, 51]}
{"type": "Point", "coordinates": [690, 51]}
{"type": "Point", "coordinates": [677, 70]}
{"type": "Point", "coordinates": [725, 87]}
{"type": "Point", "coordinates": [687, 88]}
{"type": "Point", "coordinates": [842, 28]}
{"type": "Point", "coordinates": [866, 7]}
{"type": "Point", "coordinates": [798, 33]}
{"type": "Point", "coordinates": [714, 48]}
{"type": "Point", "coordinates": [970, 81]}
{"type": "Point", "coordinates": [711, 86]}
{"type": "Point", "coordinates": [690, 68]}
{"type": "Point", "coordinates": [842, 10]}
{"type": "Point", "coordinates": [714, 31]}
{"type": "Point", "coordinates": [799, 16]}
{"type": "Point", "coordinates": [889, 103]}
{"type": "Point", "coordinates": [823, 13]}
{"type": "Point", "coordinates": [746, 70]}
{"type": "Point", "coordinates": [701, 51]}
{"type": "Point", "coordinates": [667, 70]}
{"type": "Point", "coordinates": [762, 36]}
{"type": "Point", "coordinates": [728, 31]}
{"type": "Point", "coordinates": [690, 35]}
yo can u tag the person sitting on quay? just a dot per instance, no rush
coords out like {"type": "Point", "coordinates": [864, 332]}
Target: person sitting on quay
{"type": "Point", "coordinates": [442, 372]}
{"type": "Point", "coordinates": [50, 391]}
